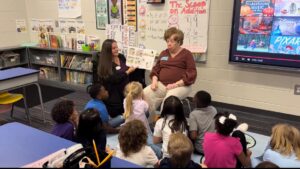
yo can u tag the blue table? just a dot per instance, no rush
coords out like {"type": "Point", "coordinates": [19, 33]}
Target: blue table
{"type": "Point", "coordinates": [21, 145]}
{"type": "Point", "coordinates": [19, 78]}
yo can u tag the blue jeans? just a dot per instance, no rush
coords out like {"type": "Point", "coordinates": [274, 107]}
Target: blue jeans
{"type": "Point", "coordinates": [116, 121]}
{"type": "Point", "coordinates": [155, 147]}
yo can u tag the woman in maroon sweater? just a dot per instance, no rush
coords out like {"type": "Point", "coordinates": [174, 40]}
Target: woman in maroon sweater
{"type": "Point", "coordinates": [174, 72]}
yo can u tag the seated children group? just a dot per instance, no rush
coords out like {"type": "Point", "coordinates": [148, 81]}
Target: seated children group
{"type": "Point", "coordinates": [175, 137]}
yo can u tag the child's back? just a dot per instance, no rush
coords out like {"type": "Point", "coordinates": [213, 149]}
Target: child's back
{"type": "Point", "coordinates": [134, 105]}
{"type": "Point", "coordinates": [202, 121]}
{"type": "Point", "coordinates": [65, 116]}
{"type": "Point", "coordinates": [180, 149]}
{"type": "Point", "coordinates": [90, 127]}
{"type": "Point", "coordinates": [140, 107]}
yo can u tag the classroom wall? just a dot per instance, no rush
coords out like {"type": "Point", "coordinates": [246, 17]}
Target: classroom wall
{"type": "Point", "coordinates": [252, 87]}
{"type": "Point", "coordinates": [48, 9]}
{"type": "Point", "coordinates": [9, 12]}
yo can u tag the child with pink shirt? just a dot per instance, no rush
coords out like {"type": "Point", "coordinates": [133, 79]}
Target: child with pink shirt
{"type": "Point", "coordinates": [134, 105]}
{"type": "Point", "coordinates": [222, 150]}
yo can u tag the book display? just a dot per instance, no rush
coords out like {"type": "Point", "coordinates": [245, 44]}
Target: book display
{"type": "Point", "coordinates": [76, 68]}
{"type": "Point", "coordinates": [65, 67]}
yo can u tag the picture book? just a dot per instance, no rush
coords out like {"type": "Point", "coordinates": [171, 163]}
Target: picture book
{"type": "Point", "coordinates": [141, 58]}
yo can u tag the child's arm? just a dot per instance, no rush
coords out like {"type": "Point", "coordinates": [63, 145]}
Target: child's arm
{"type": "Point", "coordinates": [245, 158]}
{"type": "Point", "coordinates": [193, 135]}
{"type": "Point", "coordinates": [111, 130]}
{"type": "Point", "coordinates": [157, 140]}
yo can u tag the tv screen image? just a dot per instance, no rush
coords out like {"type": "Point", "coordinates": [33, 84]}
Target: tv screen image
{"type": "Point", "coordinates": [266, 32]}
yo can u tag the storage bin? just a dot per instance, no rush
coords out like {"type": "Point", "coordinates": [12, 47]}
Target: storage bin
{"type": "Point", "coordinates": [9, 59]}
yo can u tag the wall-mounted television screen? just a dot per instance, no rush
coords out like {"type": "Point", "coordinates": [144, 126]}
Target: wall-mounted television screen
{"type": "Point", "coordinates": [266, 32]}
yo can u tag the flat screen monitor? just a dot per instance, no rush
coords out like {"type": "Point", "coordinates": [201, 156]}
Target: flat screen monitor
{"type": "Point", "coordinates": [266, 32]}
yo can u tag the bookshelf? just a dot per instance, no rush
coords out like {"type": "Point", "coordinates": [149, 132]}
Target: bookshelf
{"type": "Point", "coordinates": [66, 68]}
{"type": "Point", "coordinates": [15, 56]}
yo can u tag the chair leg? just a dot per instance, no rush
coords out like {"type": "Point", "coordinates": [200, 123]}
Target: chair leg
{"type": "Point", "coordinates": [27, 110]}
{"type": "Point", "coordinates": [26, 106]}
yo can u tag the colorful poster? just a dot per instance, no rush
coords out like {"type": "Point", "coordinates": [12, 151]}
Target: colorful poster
{"type": "Point", "coordinates": [21, 26]}
{"type": "Point", "coordinates": [287, 7]}
{"type": "Point", "coordinates": [115, 11]}
{"type": "Point", "coordinates": [69, 8]}
{"type": "Point", "coordinates": [286, 26]}
{"type": "Point", "coordinates": [253, 43]}
{"type": "Point", "coordinates": [101, 14]}
{"type": "Point", "coordinates": [256, 25]}
{"type": "Point", "coordinates": [130, 13]}
{"type": "Point", "coordinates": [285, 45]}
{"type": "Point", "coordinates": [257, 8]}
{"type": "Point", "coordinates": [141, 58]}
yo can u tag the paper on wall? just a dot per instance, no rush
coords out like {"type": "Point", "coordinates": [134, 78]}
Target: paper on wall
{"type": "Point", "coordinates": [69, 8]}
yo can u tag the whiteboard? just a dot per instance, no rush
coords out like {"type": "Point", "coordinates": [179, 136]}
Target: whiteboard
{"type": "Point", "coordinates": [190, 16]}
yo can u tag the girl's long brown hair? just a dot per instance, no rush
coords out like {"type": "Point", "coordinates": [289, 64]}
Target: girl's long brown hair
{"type": "Point", "coordinates": [105, 59]}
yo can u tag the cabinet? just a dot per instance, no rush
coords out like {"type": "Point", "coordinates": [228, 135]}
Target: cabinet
{"type": "Point", "coordinates": [66, 68]}
{"type": "Point", "coordinates": [13, 57]}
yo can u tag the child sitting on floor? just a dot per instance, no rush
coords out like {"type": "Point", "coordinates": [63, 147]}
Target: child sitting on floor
{"type": "Point", "coordinates": [98, 94]}
{"type": "Point", "coordinates": [133, 144]}
{"type": "Point", "coordinates": [180, 149]}
{"type": "Point", "coordinates": [66, 118]}
{"type": "Point", "coordinates": [90, 128]}
{"type": "Point", "coordinates": [172, 120]}
{"type": "Point", "coordinates": [222, 150]}
{"type": "Point", "coordinates": [134, 105]}
{"type": "Point", "coordinates": [201, 119]}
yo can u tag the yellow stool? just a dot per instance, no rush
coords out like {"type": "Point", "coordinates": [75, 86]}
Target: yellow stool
{"type": "Point", "coordinates": [7, 98]}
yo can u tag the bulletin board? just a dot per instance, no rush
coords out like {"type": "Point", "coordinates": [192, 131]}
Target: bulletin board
{"type": "Point", "coordinates": [190, 16]}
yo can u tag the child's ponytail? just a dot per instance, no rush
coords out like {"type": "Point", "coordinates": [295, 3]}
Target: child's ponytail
{"type": "Point", "coordinates": [128, 105]}
{"type": "Point", "coordinates": [225, 123]}
{"type": "Point", "coordinates": [132, 91]}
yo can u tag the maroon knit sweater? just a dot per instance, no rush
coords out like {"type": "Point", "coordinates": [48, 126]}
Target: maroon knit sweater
{"type": "Point", "coordinates": [170, 70]}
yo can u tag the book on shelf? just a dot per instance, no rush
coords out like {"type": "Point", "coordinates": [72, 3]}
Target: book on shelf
{"type": "Point", "coordinates": [43, 39]}
{"type": "Point", "coordinates": [78, 62]}
{"type": "Point", "coordinates": [54, 41]}
{"type": "Point", "coordinates": [80, 41]}
{"type": "Point", "coordinates": [78, 77]}
{"type": "Point", "coordinates": [48, 73]}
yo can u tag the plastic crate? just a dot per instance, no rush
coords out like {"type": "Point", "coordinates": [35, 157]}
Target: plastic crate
{"type": "Point", "coordinates": [9, 59]}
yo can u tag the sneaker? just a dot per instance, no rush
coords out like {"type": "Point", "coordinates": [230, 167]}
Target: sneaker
{"type": "Point", "coordinates": [243, 127]}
